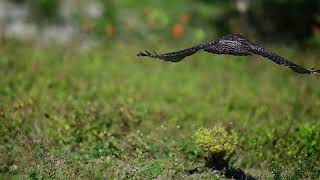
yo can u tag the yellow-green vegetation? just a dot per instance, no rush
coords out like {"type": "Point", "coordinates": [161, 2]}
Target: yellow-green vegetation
{"type": "Point", "coordinates": [216, 142]}
{"type": "Point", "coordinates": [102, 113]}
{"type": "Point", "coordinates": [92, 109]}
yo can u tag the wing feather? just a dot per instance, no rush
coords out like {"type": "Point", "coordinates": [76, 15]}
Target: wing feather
{"type": "Point", "coordinates": [236, 45]}
{"type": "Point", "coordinates": [280, 60]}
{"type": "Point", "coordinates": [173, 56]}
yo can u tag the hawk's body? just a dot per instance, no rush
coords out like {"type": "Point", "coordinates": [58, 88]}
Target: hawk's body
{"type": "Point", "coordinates": [236, 45]}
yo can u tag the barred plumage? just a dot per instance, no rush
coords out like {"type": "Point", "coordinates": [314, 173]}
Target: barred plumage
{"type": "Point", "coordinates": [235, 44]}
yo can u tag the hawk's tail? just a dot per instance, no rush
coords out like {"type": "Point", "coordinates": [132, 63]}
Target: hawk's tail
{"type": "Point", "coordinates": [313, 71]}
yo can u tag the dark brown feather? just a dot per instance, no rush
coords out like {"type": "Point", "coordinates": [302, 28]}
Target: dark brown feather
{"type": "Point", "coordinates": [235, 44]}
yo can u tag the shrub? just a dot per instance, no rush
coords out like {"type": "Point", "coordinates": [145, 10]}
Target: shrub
{"type": "Point", "coordinates": [107, 23]}
{"type": "Point", "coordinates": [44, 10]}
{"type": "Point", "coordinates": [216, 143]}
{"type": "Point", "coordinates": [314, 41]}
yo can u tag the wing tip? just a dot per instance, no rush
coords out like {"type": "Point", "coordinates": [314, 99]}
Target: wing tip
{"type": "Point", "coordinates": [144, 54]}
{"type": "Point", "coordinates": [141, 54]}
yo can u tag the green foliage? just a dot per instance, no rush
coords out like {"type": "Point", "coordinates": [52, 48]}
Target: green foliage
{"type": "Point", "coordinates": [220, 16]}
{"type": "Point", "coordinates": [314, 41]}
{"type": "Point", "coordinates": [216, 142]}
{"type": "Point", "coordinates": [107, 23]}
{"type": "Point", "coordinates": [275, 169]}
{"type": "Point", "coordinates": [100, 150]}
{"type": "Point", "coordinates": [275, 17]}
{"type": "Point", "coordinates": [305, 168]}
{"type": "Point", "coordinates": [44, 11]}
{"type": "Point", "coordinates": [152, 170]}
{"type": "Point", "coordinates": [276, 20]}
{"type": "Point", "coordinates": [70, 113]}
{"type": "Point", "coordinates": [269, 19]}
{"type": "Point", "coordinates": [307, 135]}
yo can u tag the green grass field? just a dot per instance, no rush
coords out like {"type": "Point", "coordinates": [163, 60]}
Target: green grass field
{"type": "Point", "coordinates": [104, 113]}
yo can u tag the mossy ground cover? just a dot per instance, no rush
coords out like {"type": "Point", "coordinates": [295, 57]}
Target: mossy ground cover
{"type": "Point", "coordinates": [104, 113]}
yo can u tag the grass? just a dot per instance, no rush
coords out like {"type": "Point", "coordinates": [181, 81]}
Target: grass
{"type": "Point", "coordinates": [104, 113]}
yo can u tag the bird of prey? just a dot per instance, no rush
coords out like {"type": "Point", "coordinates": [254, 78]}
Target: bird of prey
{"type": "Point", "coordinates": [234, 44]}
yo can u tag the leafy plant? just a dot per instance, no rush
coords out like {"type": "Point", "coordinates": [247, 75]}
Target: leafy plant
{"type": "Point", "coordinates": [217, 145]}
{"type": "Point", "coordinates": [44, 10]}
{"type": "Point", "coordinates": [107, 23]}
{"type": "Point", "coordinates": [216, 142]}
{"type": "Point", "coordinates": [314, 41]}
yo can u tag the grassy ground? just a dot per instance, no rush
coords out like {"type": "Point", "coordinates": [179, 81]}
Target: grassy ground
{"type": "Point", "coordinates": [104, 113]}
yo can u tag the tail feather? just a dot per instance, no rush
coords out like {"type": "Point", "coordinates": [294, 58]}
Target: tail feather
{"type": "Point", "coordinates": [312, 71]}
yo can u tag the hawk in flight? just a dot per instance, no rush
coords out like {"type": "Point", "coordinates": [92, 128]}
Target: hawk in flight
{"type": "Point", "coordinates": [235, 44]}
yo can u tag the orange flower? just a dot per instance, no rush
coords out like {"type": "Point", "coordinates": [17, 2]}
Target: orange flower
{"type": "Point", "coordinates": [177, 31]}
{"type": "Point", "coordinates": [185, 18]}
{"type": "Point", "coordinates": [109, 30]}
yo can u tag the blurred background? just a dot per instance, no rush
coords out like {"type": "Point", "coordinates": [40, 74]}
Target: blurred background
{"type": "Point", "coordinates": [76, 101]}
{"type": "Point", "coordinates": [276, 21]}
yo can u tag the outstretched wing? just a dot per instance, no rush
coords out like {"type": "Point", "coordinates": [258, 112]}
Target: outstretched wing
{"type": "Point", "coordinates": [173, 56]}
{"type": "Point", "coordinates": [255, 49]}
{"type": "Point", "coordinates": [235, 44]}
